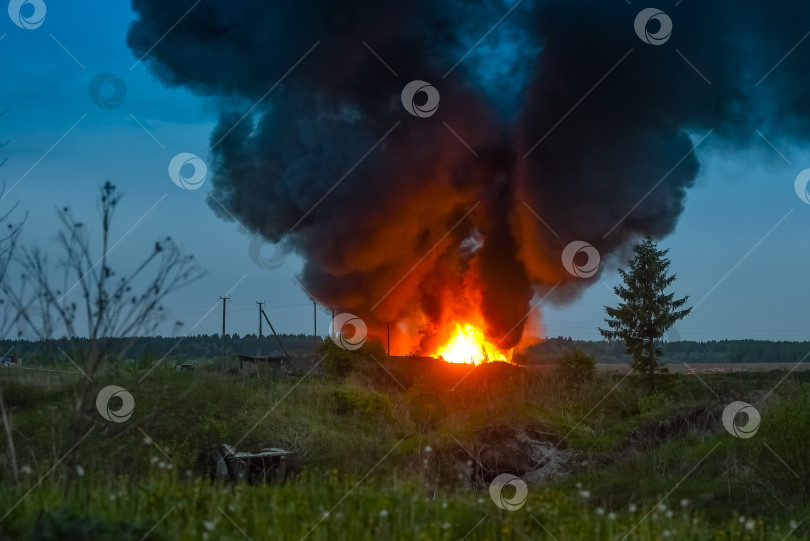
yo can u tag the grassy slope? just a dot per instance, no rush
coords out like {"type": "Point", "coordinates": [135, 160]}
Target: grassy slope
{"type": "Point", "coordinates": [343, 429]}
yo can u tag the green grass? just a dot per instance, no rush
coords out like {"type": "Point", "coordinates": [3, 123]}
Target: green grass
{"type": "Point", "coordinates": [360, 455]}
{"type": "Point", "coordinates": [328, 506]}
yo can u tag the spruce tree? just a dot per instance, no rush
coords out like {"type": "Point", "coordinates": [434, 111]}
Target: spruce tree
{"type": "Point", "coordinates": [646, 310]}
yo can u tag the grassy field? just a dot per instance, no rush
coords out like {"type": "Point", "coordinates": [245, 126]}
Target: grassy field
{"type": "Point", "coordinates": [711, 368]}
{"type": "Point", "coordinates": [378, 459]}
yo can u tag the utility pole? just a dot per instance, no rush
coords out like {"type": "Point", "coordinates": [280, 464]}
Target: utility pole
{"type": "Point", "coordinates": [388, 326]}
{"type": "Point", "coordinates": [224, 302]}
{"type": "Point", "coordinates": [332, 323]}
{"type": "Point", "coordinates": [315, 323]}
{"type": "Point", "coordinates": [260, 303]}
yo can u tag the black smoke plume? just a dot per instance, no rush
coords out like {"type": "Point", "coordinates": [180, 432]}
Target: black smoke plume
{"type": "Point", "coordinates": [561, 112]}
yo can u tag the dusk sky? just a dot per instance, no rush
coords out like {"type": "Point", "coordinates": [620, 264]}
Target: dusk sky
{"type": "Point", "coordinates": [739, 248]}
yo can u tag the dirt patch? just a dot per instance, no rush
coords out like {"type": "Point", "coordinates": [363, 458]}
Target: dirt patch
{"type": "Point", "coordinates": [695, 421]}
{"type": "Point", "coordinates": [535, 454]}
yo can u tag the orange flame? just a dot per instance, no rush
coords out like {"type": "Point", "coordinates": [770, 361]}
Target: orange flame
{"type": "Point", "coordinates": [468, 344]}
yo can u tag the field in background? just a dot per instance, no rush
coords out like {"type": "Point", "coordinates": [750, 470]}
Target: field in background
{"type": "Point", "coordinates": [711, 368]}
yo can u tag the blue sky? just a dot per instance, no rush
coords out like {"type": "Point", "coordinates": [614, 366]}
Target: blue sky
{"type": "Point", "coordinates": [741, 194]}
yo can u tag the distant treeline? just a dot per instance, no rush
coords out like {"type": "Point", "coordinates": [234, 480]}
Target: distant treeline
{"type": "Point", "coordinates": [210, 346]}
{"type": "Point", "coordinates": [714, 351]}
{"type": "Point", "coordinates": [150, 348]}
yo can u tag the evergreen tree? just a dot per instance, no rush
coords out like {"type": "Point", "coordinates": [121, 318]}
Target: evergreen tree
{"type": "Point", "coordinates": [647, 311]}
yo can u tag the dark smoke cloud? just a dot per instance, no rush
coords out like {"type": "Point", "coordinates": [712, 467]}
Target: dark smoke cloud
{"type": "Point", "coordinates": [390, 236]}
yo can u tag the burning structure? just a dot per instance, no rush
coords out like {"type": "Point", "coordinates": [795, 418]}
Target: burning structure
{"type": "Point", "coordinates": [560, 122]}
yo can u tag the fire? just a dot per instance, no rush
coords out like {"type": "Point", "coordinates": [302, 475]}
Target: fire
{"type": "Point", "coordinates": [469, 345]}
